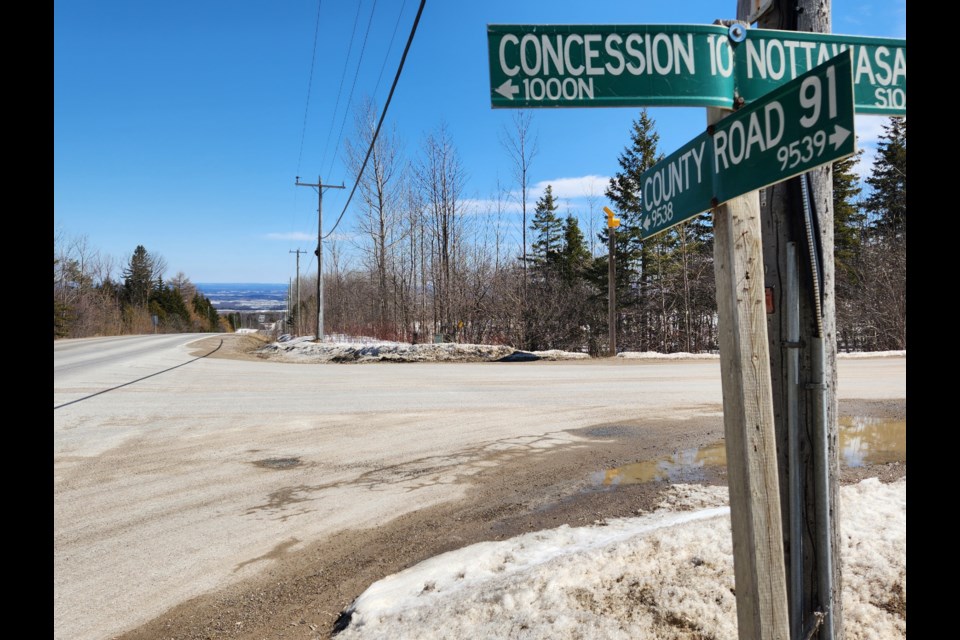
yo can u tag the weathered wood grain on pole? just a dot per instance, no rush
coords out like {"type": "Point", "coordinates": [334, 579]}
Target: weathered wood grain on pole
{"type": "Point", "coordinates": [748, 419]}
{"type": "Point", "coordinates": [782, 222]}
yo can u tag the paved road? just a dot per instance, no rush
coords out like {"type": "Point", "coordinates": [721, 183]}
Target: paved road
{"type": "Point", "coordinates": [175, 475]}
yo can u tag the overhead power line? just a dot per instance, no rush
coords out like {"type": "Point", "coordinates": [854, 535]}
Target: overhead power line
{"type": "Point", "coordinates": [353, 85]}
{"type": "Point", "coordinates": [383, 115]}
{"type": "Point", "coordinates": [353, 34]}
{"type": "Point", "coordinates": [389, 47]}
{"type": "Point", "coordinates": [306, 110]}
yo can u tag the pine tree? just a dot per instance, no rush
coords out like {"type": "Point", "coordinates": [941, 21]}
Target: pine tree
{"type": "Point", "coordinates": [547, 229]}
{"type": "Point", "coordinates": [888, 180]}
{"type": "Point", "coordinates": [633, 256]}
{"type": "Point", "coordinates": [138, 277]}
{"type": "Point", "coordinates": [624, 189]}
{"type": "Point", "coordinates": [574, 256]}
{"type": "Point", "coordinates": [847, 217]}
{"type": "Point", "coordinates": [167, 304]}
{"type": "Point", "coordinates": [881, 306]}
{"type": "Point", "coordinates": [204, 308]}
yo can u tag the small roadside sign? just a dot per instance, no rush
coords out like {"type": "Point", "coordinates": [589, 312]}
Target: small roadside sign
{"type": "Point", "coordinates": [612, 220]}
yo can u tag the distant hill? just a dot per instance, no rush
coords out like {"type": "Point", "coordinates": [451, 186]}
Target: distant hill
{"type": "Point", "coordinates": [245, 296]}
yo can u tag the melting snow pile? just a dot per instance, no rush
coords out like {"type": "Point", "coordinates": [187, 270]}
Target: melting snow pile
{"type": "Point", "coordinates": [666, 574]}
{"type": "Point", "coordinates": [305, 350]}
{"type": "Point", "coordinates": [653, 355]}
{"type": "Point", "coordinates": [871, 354]}
{"type": "Point", "coordinates": [557, 354]}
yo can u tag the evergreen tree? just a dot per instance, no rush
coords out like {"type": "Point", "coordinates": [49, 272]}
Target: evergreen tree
{"type": "Point", "coordinates": [138, 277]}
{"type": "Point", "coordinates": [167, 304]}
{"type": "Point", "coordinates": [574, 257]}
{"type": "Point", "coordinates": [633, 256]}
{"type": "Point", "coordinates": [547, 229]}
{"type": "Point", "coordinates": [625, 189]}
{"type": "Point", "coordinates": [847, 217]}
{"type": "Point", "coordinates": [562, 306]}
{"type": "Point", "coordinates": [208, 314]}
{"type": "Point", "coordinates": [880, 307]}
{"type": "Point", "coordinates": [888, 180]}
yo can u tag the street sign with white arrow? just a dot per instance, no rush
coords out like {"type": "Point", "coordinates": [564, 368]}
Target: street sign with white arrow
{"type": "Point", "coordinates": [679, 65]}
{"type": "Point", "coordinates": [794, 128]}
{"type": "Point", "coordinates": [767, 58]}
{"type": "Point", "coordinates": [610, 65]}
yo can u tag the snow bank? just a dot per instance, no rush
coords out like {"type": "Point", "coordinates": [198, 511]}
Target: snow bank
{"type": "Point", "coordinates": [557, 354]}
{"type": "Point", "coordinates": [304, 349]}
{"type": "Point", "coordinates": [872, 354]}
{"type": "Point", "coordinates": [682, 355]}
{"type": "Point", "coordinates": [307, 351]}
{"type": "Point", "coordinates": [653, 355]}
{"type": "Point", "coordinates": [667, 574]}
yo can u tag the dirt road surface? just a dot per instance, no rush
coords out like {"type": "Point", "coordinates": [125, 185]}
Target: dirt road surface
{"type": "Point", "coordinates": [239, 498]}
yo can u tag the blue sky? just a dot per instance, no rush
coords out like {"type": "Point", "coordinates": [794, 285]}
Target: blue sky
{"type": "Point", "coordinates": [181, 125]}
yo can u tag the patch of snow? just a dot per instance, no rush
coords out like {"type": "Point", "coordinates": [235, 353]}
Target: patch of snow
{"type": "Point", "coordinates": [557, 354]}
{"type": "Point", "coordinates": [653, 355]}
{"type": "Point", "coordinates": [305, 349]}
{"type": "Point", "coordinates": [664, 574]}
{"type": "Point", "coordinates": [687, 497]}
{"type": "Point", "coordinates": [872, 354]}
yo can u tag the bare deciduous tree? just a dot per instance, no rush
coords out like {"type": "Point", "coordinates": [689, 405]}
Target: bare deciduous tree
{"type": "Point", "coordinates": [521, 145]}
{"type": "Point", "coordinates": [379, 190]}
{"type": "Point", "coordinates": [441, 178]}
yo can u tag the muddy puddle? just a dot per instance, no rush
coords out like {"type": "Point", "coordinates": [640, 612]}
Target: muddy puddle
{"type": "Point", "coordinates": [863, 441]}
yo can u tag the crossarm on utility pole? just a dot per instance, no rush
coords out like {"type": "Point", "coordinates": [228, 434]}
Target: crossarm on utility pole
{"type": "Point", "coordinates": [319, 250]}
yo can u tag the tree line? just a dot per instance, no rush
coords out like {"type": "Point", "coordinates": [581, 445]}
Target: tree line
{"type": "Point", "coordinates": [870, 247]}
{"type": "Point", "coordinates": [433, 268]}
{"type": "Point", "coordinates": [89, 301]}
{"type": "Point", "coordinates": [426, 264]}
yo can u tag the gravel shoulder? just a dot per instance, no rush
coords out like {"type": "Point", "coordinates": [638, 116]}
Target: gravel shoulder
{"type": "Point", "coordinates": [303, 592]}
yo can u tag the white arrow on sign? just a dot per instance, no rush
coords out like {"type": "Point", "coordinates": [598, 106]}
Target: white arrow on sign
{"type": "Point", "coordinates": [646, 224]}
{"type": "Point", "coordinates": [838, 136]}
{"type": "Point", "coordinates": [508, 90]}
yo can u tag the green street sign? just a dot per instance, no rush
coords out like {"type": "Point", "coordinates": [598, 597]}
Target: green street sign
{"type": "Point", "coordinates": [767, 58]}
{"type": "Point", "coordinates": [679, 65]}
{"type": "Point", "coordinates": [796, 127]}
{"type": "Point", "coordinates": [610, 66]}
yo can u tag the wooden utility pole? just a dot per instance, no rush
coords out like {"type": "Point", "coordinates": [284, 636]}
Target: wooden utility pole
{"type": "Point", "coordinates": [748, 419]}
{"type": "Point", "coordinates": [298, 252]}
{"type": "Point", "coordinates": [612, 292]}
{"type": "Point", "coordinates": [803, 366]}
{"type": "Point", "coordinates": [612, 224]}
{"type": "Point", "coordinates": [319, 250]}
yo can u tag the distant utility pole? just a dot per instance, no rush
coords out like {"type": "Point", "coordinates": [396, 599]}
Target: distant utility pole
{"type": "Point", "coordinates": [319, 250]}
{"type": "Point", "coordinates": [298, 252]}
{"type": "Point", "coordinates": [612, 224]}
